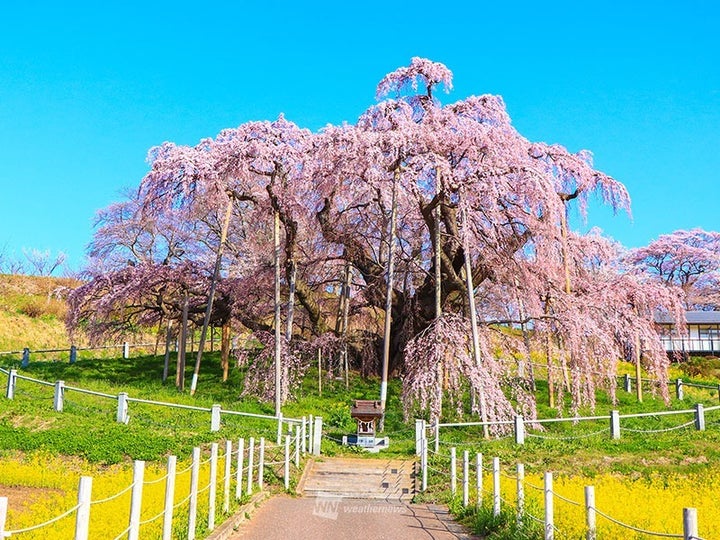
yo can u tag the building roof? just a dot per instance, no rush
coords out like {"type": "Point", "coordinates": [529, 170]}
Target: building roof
{"type": "Point", "coordinates": [366, 408]}
{"type": "Point", "coordinates": [691, 317]}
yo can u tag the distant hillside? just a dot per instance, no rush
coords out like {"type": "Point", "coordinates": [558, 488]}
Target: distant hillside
{"type": "Point", "coordinates": [32, 311]}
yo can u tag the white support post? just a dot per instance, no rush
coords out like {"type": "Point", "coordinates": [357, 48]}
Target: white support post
{"type": "Point", "coordinates": [520, 478]}
{"type": "Point", "coordinates": [466, 479]}
{"type": "Point", "coordinates": [215, 418]}
{"type": "Point", "coordinates": [479, 478]}
{"type": "Point", "coordinates": [59, 394]}
{"type": "Point", "coordinates": [690, 524]}
{"type": "Point", "coordinates": [304, 435]}
{"type": "Point", "coordinates": [519, 429]}
{"type": "Point", "coordinates": [311, 423]}
{"type": "Point", "coordinates": [227, 476]}
{"type": "Point", "coordinates": [419, 429]}
{"type": "Point", "coordinates": [251, 456]}
{"type": "Point", "coordinates": [549, 512]}
{"type": "Point", "coordinates": [169, 498]}
{"type": "Point", "coordinates": [679, 389]}
{"type": "Point", "coordinates": [590, 519]}
{"type": "Point", "coordinates": [496, 486]}
{"type": "Point", "coordinates": [437, 436]}
{"type": "Point", "coordinates": [279, 427]}
{"type": "Point", "coordinates": [126, 350]}
{"type": "Point", "coordinates": [239, 471]}
{"type": "Point", "coordinates": [453, 471]}
{"type": "Point", "coordinates": [424, 464]}
{"type": "Point", "coordinates": [615, 424]}
{"type": "Point", "coordinates": [3, 515]}
{"type": "Point", "coordinates": [628, 383]}
{"type": "Point", "coordinates": [297, 446]}
{"type": "Point", "coordinates": [317, 435]}
{"type": "Point", "coordinates": [212, 492]}
{"type": "Point", "coordinates": [25, 362]}
{"type": "Point", "coordinates": [194, 479]}
{"type": "Point", "coordinates": [122, 416]}
{"type": "Point", "coordinates": [136, 499]}
{"type": "Point", "coordinates": [286, 472]}
{"type": "Point", "coordinates": [12, 380]}
{"type": "Point", "coordinates": [82, 517]}
{"type": "Point", "coordinates": [699, 417]}
{"type": "Point", "coordinates": [261, 463]}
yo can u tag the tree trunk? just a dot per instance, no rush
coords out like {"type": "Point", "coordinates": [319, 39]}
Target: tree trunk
{"type": "Point", "coordinates": [166, 363]}
{"type": "Point", "coordinates": [211, 295]}
{"type": "Point", "coordinates": [345, 321]}
{"type": "Point", "coordinates": [225, 350]}
{"type": "Point", "coordinates": [180, 374]}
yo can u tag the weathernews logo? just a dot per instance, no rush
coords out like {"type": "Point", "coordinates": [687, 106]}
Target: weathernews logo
{"type": "Point", "coordinates": [331, 507]}
{"type": "Point", "coordinates": [327, 507]}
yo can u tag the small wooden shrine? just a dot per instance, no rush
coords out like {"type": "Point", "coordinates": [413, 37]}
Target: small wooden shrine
{"type": "Point", "coordinates": [366, 413]}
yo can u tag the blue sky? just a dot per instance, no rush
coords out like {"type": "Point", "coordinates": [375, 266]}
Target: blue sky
{"type": "Point", "coordinates": [86, 88]}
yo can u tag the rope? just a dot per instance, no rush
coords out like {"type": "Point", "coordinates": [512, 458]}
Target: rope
{"type": "Point", "coordinates": [681, 426]}
{"type": "Point", "coordinates": [111, 497]}
{"type": "Point", "coordinates": [156, 481]}
{"type": "Point", "coordinates": [49, 522]}
{"type": "Point", "coordinates": [533, 486]}
{"type": "Point", "coordinates": [119, 536]}
{"type": "Point", "coordinates": [569, 438]}
{"type": "Point", "coordinates": [152, 518]}
{"type": "Point", "coordinates": [565, 499]}
{"type": "Point", "coordinates": [636, 529]}
{"type": "Point", "coordinates": [186, 499]}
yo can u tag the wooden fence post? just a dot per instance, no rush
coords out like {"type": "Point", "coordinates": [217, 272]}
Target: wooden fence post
{"type": "Point", "coordinates": [615, 424]}
{"type": "Point", "coordinates": [519, 429]}
{"type": "Point", "coordinates": [549, 512]}
{"type": "Point", "coordinates": [520, 477]}
{"type": "Point", "coordinates": [317, 435]}
{"type": "Point", "coordinates": [58, 396]}
{"type": "Point", "coordinates": [3, 515]}
{"type": "Point", "coordinates": [453, 471]}
{"type": "Point", "coordinates": [122, 409]}
{"type": "Point", "coordinates": [261, 463]}
{"type": "Point", "coordinates": [215, 418]}
{"type": "Point", "coordinates": [590, 512]}
{"type": "Point", "coordinates": [194, 479]}
{"type": "Point", "coordinates": [12, 380]}
{"type": "Point", "coordinates": [690, 524]}
{"type": "Point", "coordinates": [239, 472]}
{"type": "Point", "coordinates": [82, 517]}
{"type": "Point", "coordinates": [699, 417]}
{"type": "Point", "coordinates": [212, 492]}
{"type": "Point", "coordinates": [496, 486]}
{"type": "Point", "coordinates": [287, 463]}
{"type": "Point", "coordinates": [680, 394]}
{"type": "Point", "coordinates": [226, 476]}
{"type": "Point", "coordinates": [136, 499]}
{"type": "Point", "coordinates": [466, 471]}
{"type": "Point", "coordinates": [251, 456]}
{"type": "Point", "coordinates": [169, 498]}
{"type": "Point", "coordinates": [479, 477]}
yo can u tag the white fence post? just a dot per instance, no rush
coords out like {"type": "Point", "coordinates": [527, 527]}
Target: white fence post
{"type": "Point", "coordinates": [136, 499]}
{"type": "Point", "coordinates": [679, 389]}
{"type": "Point", "coordinates": [279, 427]}
{"type": "Point", "coordinates": [520, 477]}
{"type": "Point", "coordinates": [297, 446]}
{"type": "Point", "coordinates": [169, 498]}
{"type": "Point", "coordinates": [317, 435]}
{"type": "Point", "coordinates": [251, 456]}
{"type": "Point", "coordinates": [12, 380]}
{"type": "Point", "coordinates": [549, 512]}
{"type": "Point", "coordinates": [215, 418]}
{"type": "Point", "coordinates": [519, 429]}
{"type": "Point", "coordinates": [699, 417]}
{"type": "Point", "coordinates": [437, 436]}
{"type": "Point", "coordinates": [466, 474]}
{"type": "Point", "coordinates": [25, 362]}
{"type": "Point", "coordinates": [479, 478]}
{"type": "Point", "coordinates": [212, 492]}
{"type": "Point", "coordinates": [287, 463]}
{"type": "Point", "coordinates": [261, 463]}
{"type": "Point", "coordinates": [424, 464]}
{"type": "Point", "coordinates": [3, 515]}
{"type": "Point", "coordinates": [239, 472]}
{"type": "Point", "coordinates": [590, 512]}
{"type": "Point", "coordinates": [82, 517]}
{"type": "Point", "coordinates": [122, 416]}
{"type": "Point", "coordinates": [304, 435]}
{"type": "Point", "coordinates": [496, 486]}
{"type": "Point", "coordinates": [226, 476]}
{"type": "Point", "coordinates": [690, 524]}
{"type": "Point", "coordinates": [73, 354]}
{"type": "Point", "coordinates": [126, 350]}
{"type": "Point", "coordinates": [615, 424]}
{"type": "Point", "coordinates": [194, 478]}
{"type": "Point", "coordinates": [59, 394]}
{"type": "Point", "coordinates": [311, 423]}
{"type": "Point", "coordinates": [419, 429]}
{"type": "Point", "coordinates": [453, 471]}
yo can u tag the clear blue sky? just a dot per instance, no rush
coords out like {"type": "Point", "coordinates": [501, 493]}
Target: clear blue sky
{"type": "Point", "coordinates": [86, 88]}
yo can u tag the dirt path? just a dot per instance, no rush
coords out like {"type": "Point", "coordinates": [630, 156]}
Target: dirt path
{"type": "Point", "coordinates": [288, 518]}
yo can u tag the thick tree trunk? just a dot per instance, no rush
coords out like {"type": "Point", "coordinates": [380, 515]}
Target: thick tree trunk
{"type": "Point", "coordinates": [225, 350]}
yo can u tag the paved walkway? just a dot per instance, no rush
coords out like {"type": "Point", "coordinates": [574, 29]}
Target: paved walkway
{"type": "Point", "coordinates": [288, 518]}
